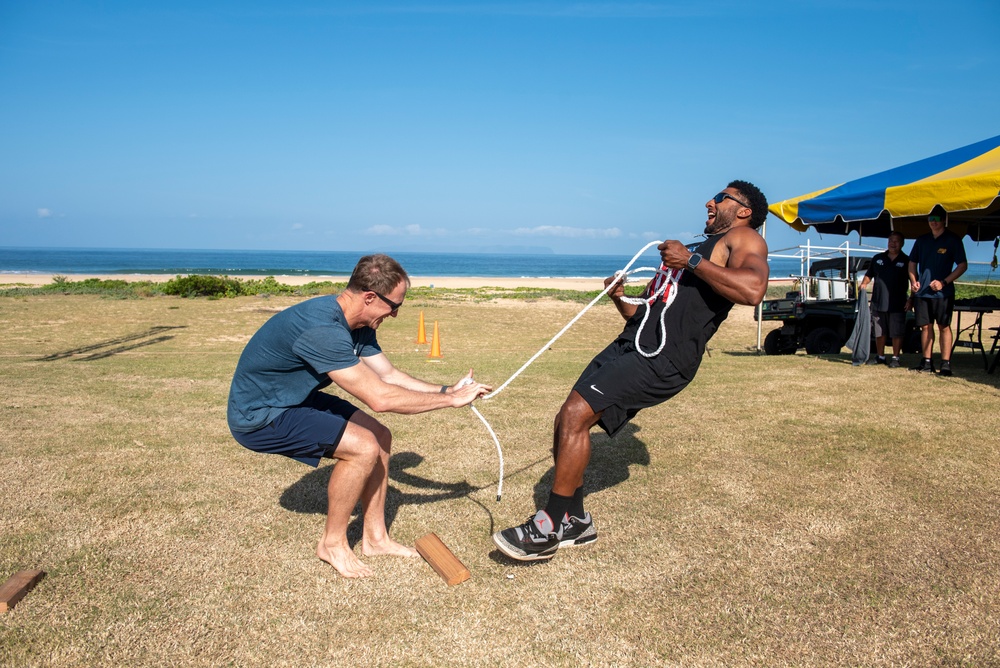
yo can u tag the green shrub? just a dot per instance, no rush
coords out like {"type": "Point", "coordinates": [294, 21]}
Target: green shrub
{"type": "Point", "coordinates": [976, 290]}
{"type": "Point", "coordinates": [265, 286]}
{"type": "Point", "coordinates": [198, 285]}
{"type": "Point", "coordinates": [322, 288]}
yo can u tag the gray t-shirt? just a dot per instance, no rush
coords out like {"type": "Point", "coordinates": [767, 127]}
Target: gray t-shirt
{"type": "Point", "coordinates": [288, 358]}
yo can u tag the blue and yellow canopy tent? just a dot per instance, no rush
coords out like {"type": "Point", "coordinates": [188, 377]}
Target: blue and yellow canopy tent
{"type": "Point", "coordinates": [965, 182]}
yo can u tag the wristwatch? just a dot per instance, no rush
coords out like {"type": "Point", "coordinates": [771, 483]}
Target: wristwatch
{"type": "Point", "coordinates": [694, 261]}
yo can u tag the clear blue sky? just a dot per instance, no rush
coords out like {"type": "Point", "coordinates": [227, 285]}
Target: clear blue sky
{"type": "Point", "coordinates": [584, 127]}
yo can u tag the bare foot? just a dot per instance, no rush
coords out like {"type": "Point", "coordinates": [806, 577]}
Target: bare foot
{"type": "Point", "coordinates": [344, 560]}
{"type": "Point", "coordinates": [386, 546]}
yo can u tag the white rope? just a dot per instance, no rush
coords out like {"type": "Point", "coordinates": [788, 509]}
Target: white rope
{"type": "Point", "coordinates": [668, 285]}
{"type": "Point", "coordinates": [579, 315]}
{"type": "Point", "coordinates": [666, 282]}
{"type": "Point", "coordinates": [499, 449]}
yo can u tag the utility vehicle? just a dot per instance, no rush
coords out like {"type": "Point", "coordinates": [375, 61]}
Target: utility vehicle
{"type": "Point", "coordinates": [820, 314]}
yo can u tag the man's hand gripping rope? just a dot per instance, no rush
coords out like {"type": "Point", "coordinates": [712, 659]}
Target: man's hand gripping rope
{"type": "Point", "coordinates": [667, 285]}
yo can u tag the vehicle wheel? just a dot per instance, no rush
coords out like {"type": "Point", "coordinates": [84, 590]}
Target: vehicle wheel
{"type": "Point", "coordinates": [776, 344]}
{"type": "Point", "coordinates": [823, 341]}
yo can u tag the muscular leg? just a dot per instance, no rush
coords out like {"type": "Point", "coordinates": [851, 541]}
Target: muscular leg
{"type": "Point", "coordinates": [375, 539]}
{"type": "Point", "coordinates": [360, 473]}
{"type": "Point", "coordinates": [571, 443]}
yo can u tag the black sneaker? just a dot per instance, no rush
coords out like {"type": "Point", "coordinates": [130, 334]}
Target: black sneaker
{"type": "Point", "coordinates": [894, 363]}
{"type": "Point", "coordinates": [873, 361]}
{"type": "Point", "coordinates": [577, 531]}
{"type": "Point", "coordinates": [924, 366]}
{"type": "Point", "coordinates": [945, 369]}
{"type": "Point", "coordinates": [536, 539]}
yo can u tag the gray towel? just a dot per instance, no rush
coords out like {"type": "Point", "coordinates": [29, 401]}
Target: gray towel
{"type": "Point", "coordinates": [860, 339]}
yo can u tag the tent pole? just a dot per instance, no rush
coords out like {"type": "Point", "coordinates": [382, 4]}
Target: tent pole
{"type": "Point", "coordinates": [760, 306]}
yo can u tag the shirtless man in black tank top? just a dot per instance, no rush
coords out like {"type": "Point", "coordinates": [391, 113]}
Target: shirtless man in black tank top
{"type": "Point", "coordinates": [729, 267]}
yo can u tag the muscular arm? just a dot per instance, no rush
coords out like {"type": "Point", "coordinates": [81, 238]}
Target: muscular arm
{"type": "Point", "coordinates": [739, 272]}
{"type": "Point", "coordinates": [384, 388]}
{"type": "Point", "coordinates": [384, 369]}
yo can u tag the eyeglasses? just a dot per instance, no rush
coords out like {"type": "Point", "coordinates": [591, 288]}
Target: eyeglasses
{"type": "Point", "coordinates": [393, 305]}
{"type": "Point", "coordinates": [722, 196]}
{"type": "Point", "coordinates": [933, 219]}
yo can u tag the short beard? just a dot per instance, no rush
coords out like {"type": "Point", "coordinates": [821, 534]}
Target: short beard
{"type": "Point", "coordinates": [719, 225]}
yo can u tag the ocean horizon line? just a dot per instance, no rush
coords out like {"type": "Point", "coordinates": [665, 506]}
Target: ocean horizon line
{"type": "Point", "coordinates": [124, 262]}
{"type": "Point", "coordinates": [70, 261]}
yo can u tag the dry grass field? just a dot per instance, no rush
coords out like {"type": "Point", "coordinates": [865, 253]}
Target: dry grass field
{"type": "Point", "coordinates": [781, 511]}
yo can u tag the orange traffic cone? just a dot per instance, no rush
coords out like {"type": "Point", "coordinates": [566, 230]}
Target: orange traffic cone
{"type": "Point", "coordinates": [435, 343]}
{"type": "Point", "coordinates": [421, 334]}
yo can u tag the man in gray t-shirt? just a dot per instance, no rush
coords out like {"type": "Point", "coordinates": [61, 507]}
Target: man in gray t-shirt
{"type": "Point", "coordinates": [276, 404]}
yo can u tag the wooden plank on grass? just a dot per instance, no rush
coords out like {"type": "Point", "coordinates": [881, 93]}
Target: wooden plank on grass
{"type": "Point", "coordinates": [19, 584]}
{"type": "Point", "coordinates": [441, 559]}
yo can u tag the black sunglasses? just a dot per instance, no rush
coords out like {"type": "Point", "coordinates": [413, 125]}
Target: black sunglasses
{"type": "Point", "coordinates": [721, 196]}
{"type": "Point", "coordinates": [389, 302]}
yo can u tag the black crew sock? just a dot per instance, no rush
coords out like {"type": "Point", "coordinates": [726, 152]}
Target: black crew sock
{"type": "Point", "coordinates": [576, 507]}
{"type": "Point", "coordinates": [557, 507]}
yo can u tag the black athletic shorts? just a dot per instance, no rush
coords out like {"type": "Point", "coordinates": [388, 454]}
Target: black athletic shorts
{"type": "Point", "coordinates": [888, 324]}
{"type": "Point", "coordinates": [936, 310]}
{"type": "Point", "coordinates": [620, 382]}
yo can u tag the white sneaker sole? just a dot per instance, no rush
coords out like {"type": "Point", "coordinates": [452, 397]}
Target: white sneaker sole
{"type": "Point", "coordinates": [511, 552]}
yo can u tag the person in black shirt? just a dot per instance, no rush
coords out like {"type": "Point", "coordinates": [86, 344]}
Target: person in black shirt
{"type": "Point", "coordinates": [633, 373]}
{"type": "Point", "coordinates": [936, 262]}
{"type": "Point", "coordinates": [888, 272]}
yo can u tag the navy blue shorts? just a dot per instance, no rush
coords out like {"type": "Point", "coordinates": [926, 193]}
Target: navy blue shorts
{"type": "Point", "coordinates": [306, 433]}
{"type": "Point", "coordinates": [620, 382]}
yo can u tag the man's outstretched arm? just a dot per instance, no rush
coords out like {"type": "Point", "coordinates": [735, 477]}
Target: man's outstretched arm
{"type": "Point", "coordinates": [383, 388]}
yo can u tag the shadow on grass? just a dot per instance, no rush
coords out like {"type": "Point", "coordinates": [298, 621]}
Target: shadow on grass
{"type": "Point", "coordinates": [114, 346]}
{"type": "Point", "coordinates": [609, 466]}
{"type": "Point", "coordinates": [308, 495]}
{"type": "Point", "coordinates": [610, 460]}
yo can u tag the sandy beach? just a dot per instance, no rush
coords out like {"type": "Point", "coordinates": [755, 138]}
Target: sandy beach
{"type": "Point", "coordinates": [416, 281]}
{"type": "Point", "coordinates": [582, 284]}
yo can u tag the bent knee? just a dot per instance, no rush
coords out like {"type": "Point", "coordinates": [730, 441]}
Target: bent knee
{"type": "Point", "coordinates": [575, 411]}
{"type": "Point", "coordinates": [362, 422]}
{"type": "Point", "coordinates": [382, 436]}
{"type": "Point", "coordinates": [363, 445]}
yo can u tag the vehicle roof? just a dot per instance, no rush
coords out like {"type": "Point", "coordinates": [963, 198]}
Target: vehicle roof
{"type": "Point", "coordinates": [857, 264]}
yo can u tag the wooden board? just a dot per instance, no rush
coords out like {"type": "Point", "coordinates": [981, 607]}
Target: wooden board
{"type": "Point", "coordinates": [17, 586]}
{"type": "Point", "coordinates": [437, 554]}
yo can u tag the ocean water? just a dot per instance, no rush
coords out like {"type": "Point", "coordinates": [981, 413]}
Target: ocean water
{"type": "Point", "coordinates": [71, 261]}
